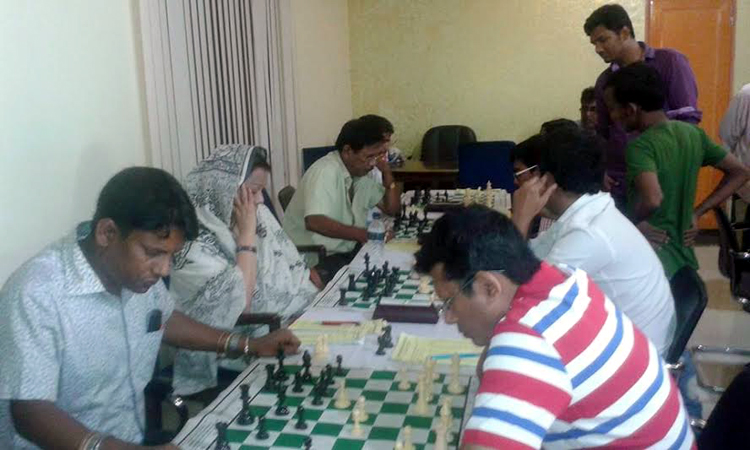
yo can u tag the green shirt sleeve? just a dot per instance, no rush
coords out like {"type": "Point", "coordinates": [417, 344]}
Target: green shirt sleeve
{"type": "Point", "coordinates": [367, 194]}
{"type": "Point", "coordinates": [322, 196]}
{"type": "Point", "coordinates": [639, 157]}
{"type": "Point", "coordinates": [712, 153]}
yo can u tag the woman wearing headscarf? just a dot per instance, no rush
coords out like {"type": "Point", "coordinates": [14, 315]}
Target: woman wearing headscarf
{"type": "Point", "coordinates": [242, 261]}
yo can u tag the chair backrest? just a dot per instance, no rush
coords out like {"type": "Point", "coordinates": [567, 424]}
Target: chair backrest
{"type": "Point", "coordinates": [480, 162]}
{"type": "Point", "coordinates": [727, 242]}
{"type": "Point", "coordinates": [690, 300]}
{"type": "Point", "coordinates": [440, 144]}
{"type": "Point", "coordinates": [312, 154]}
{"type": "Point", "coordinates": [285, 196]}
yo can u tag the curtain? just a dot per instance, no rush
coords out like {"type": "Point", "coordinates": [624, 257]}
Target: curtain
{"type": "Point", "coordinates": [219, 72]}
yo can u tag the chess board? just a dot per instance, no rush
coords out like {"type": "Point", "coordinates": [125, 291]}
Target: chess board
{"type": "Point", "coordinates": [446, 200]}
{"type": "Point", "coordinates": [411, 233]}
{"type": "Point", "coordinates": [389, 408]}
{"type": "Point", "coordinates": [406, 293]}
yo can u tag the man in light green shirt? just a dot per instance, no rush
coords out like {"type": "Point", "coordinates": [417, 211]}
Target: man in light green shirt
{"type": "Point", "coordinates": [330, 206]}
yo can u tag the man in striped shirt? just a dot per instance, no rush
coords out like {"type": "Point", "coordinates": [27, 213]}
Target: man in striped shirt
{"type": "Point", "coordinates": [564, 367]}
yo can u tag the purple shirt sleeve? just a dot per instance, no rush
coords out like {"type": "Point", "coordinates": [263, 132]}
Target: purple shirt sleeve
{"type": "Point", "coordinates": [681, 88]}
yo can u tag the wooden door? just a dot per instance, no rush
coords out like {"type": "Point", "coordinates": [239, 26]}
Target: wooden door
{"type": "Point", "coordinates": [703, 30]}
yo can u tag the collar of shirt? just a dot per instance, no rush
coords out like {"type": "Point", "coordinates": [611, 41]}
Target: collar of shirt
{"type": "Point", "coordinates": [586, 208]}
{"type": "Point", "coordinates": [648, 55]}
{"type": "Point", "coordinates": [80, 278]}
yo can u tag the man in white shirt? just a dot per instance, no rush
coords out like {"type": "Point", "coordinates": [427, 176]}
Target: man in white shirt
{"type": "Point", "coordinates": [735, 132]}
{"type": "Point", "coordinates": [593, 235]}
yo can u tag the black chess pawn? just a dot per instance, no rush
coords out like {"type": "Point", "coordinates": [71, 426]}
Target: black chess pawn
{"type": "Point", "coordinates": [246, 414]}
{"type": "Point", "coordinates": [300, 425]}
{"type": "Point", "coordinates": [262, 433]}
{"type": "Point", "coordinates": [269, 386]}
{"type": "Point", "coordinates": [381, 346]}
{"type": "Point", "coordinates": [281, 409]}
{"type": "Point", "coordinates": [339, 369]}
{"type": "Point", "coordinates": [352, 284]}
{"type": "Point", "coordinates": [342, 297]}
{"type": "Point", "coordinates": [387, 336]}
{"type": "Point", "coordinates": [329, 375]}
{"type": "Point", "coordinates": [307, 443]}
{"type": "Point", "coordinates": [367, 262]}
{"type": "Point", "coordinates": [281, 372]}
{"type": "Point", "coordinates": [222, 443]}
{"type": "Point", "coordinates": [385, 268]}
{"type": "Point", "coordinates": [297, 382]}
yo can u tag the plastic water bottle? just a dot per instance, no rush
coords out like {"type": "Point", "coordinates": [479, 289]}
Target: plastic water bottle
{"type": "Point", "coordinates": [376, 240]}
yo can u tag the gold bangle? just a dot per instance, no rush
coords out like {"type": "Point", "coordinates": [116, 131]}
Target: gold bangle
{"type": "Point", "coordinates": [219, 346]}
{"type": "Point", "coordinates": [226, 344]}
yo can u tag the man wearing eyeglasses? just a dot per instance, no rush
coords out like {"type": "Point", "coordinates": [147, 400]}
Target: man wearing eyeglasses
{"type": "Point", "coordinates": [564, 367]}
{"type": "Point", "coordinates": [330, 207]}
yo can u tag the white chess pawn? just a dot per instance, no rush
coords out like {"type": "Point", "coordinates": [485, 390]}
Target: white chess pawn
{"type": "Point", "coordinates": [441, 437]}
{"type": "Point", "coordinates": [326, 351]}
{"type": "Point", "coordinates": [407, 438]}
{"type": "Point", "coordinates": [454, 386]}
{"type": "Point", "coordinates": [399, 446]}
{"type": "Point", "coordinates": [319, 355]}
{"type": "Point", "coordinates": [422, 408]}
{"type": "Point", "coordinates": [360, 405]}
{"type": "Point", "coordinates": [342, 398]}
{"type": "Point", "coordinates": [356, 417]}
{"type": "Point", "coordinates": [404, 384]}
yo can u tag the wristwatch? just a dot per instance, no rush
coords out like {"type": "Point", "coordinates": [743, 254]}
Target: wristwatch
{"type": "Point", "coordinates": [247, 248]}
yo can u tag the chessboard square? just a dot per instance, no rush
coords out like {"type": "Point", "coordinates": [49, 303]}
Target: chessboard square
{"type": "Point", "coordinates": [294, 401]}
{"type": "Point", "coordinates": [327, 429]}
{"type": "Point", "coordinates": [383, 433]}
{"type": "Point", "coordinates": [311, 414]}
{"type": "Point", "coordinates": [395, 387]}
{"type": "Point", "coordinates": [418, 435]}
{"type": "Point", "coordinates": [378, 385]}
{"type": "Point", "coordinates": [404, 397]}
{"type": "Point", "coordinates": [355, 383]}
{"type": "Point", "coordinates": [402, 296]}
{"type": "Point", "coordinates": [377, 396]}
{"type": "Point", "coordinates": [335, 416]}
{"type": "Point", "coordinates": [394, 408]}
{"type": "Point", "coordinates": [350, 295]}
{"type": "Point", "coordinates": [234, 435]}
{"type": "Point", "coordinates": [363, 305]}
{"type": "Point", "coordinates": [388, 420]}
{"type": "Point", "coordinates": [265, 399]}
{"type": "Point", "coordinates": [383, 375]}
{"type": "Point", "coordinates": [253, 442]}
{"type": "Point", "coordinates": [363, 374]}
{"type": "Point", "coordinates": [253, 447]}
{"type": "Point", "coordinates": [259, 410]}
{"type": "Point", "coordinates": [348, 444]}
{"type": "Point", "coordinates": [276, 424]}
{"type": "Point", "coordinates": [290, 440]}
{"type": "Point", "coordinates": [418, 422]}
{"type": "Point", "coordinates": [421, 297]}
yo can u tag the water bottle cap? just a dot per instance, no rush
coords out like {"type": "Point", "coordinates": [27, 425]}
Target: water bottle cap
{"type": "Point", "coordinates": [376, 215]}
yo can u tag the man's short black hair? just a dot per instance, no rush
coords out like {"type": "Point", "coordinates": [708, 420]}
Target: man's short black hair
{"type": "Point", "coordinates": [640, 84]}
{"type": "Point", "coordinates": [147, 199]}
{"type": "Point", "coordinates": [612, 17]}
{"type": "Point", "coordinates": [476, 238]}
{"type": "Point", "coordinates": [529, 152]}
{"type": "Point", "coordinates": [575, 158]}
{"type": "Point", "coordinates": [365, 131]}
{"type": "Point", "coordinates": [587, 96]}
{"type": "Point", "coordinates": [552, 125]}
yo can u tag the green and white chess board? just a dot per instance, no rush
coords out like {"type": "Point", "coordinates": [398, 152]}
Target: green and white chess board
{"type": "Point", "coordinates": [405, 293]}
{"type": "Point", "coordinates": [389, 408]}
{"type": "Point", "coordinates": [411, 233]}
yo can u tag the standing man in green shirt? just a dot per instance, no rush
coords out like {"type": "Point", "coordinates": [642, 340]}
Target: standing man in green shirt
{"type": "Point", "coordinates": [663, 164]}
{"type": "Point", "coordinates": [331, 204]}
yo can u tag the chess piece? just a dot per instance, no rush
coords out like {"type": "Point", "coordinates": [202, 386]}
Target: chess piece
{"type": "Point", "coordinates": [342, 297]}
{"type": "Point", "coordinates": [356, 417]}
{"type": "Point", "coordinates": [221, 436]}
{"type": "Point", "coordinates": [262, 433]}
{"type": "Point", "coordinates": [407, 438]}
{"type": "Point", "coordinates": [424, 286]}
{"type": "Point", "coordinates": [467, 197]}
{"type": "Point", "coordinates": [339, 369]}
{"type": "Point", "coordinates": [281, 409]}
{"type": "Point", "coordinates": [404, 384]}
{"type": "Point", "coordinates": [320, 355]}
{"type": "Point", "coordinates": [246, 414]}
{"type": "Point", "coordinates": [297, 382]}
{"type": "Point", "coordinates": [445, 408]}
{"type": "Point", "coordinates": [306, 363]}
{"type": "Point", "coordinates": [454, 385]}
{"type": "Point", "coordinates": [387, 336]}
{"type": "Point", "coordinates": [352, 283]}
{"type": "Point", "coordinates": [300, 425]}
{"type": "Point", "coordinates": [342, 398]}
{"type": "Point", "coordinates": [269, 386]}
{"type": "Point", "coordinates": [360, 404]}
{"type": "Point", "coordinates": [399, 446]}
{"type": "Point", "coordinates": [441, 439]}
{"type": "Point", "coordinates": [317, 395]}
{"type": "Point", "coordinates": [421, 407]}
{"type": "Point", "coordinates": [329, 375]}
{"type": "Point", "coordinates": [280, 371]}
{"type": "Point", "coordinates": [381, 346]}
{"type": "Point", "coordinates": [307, 443]}
{"type": "Point", "coordinates": [367, 262]}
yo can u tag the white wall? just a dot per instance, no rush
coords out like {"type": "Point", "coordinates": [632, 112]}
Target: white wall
{"type": "Point", "coordinates": [323, 93]}
{"type": "Point", "coordinates": [72, 113]}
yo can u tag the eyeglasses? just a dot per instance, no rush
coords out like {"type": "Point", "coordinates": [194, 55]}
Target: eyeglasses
{"type": "Point", "coordinates": [521, 172]}
{"type": "Point", "coordinates": [445, 306]}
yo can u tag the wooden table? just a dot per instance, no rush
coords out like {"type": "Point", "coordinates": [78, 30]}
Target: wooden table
{"type": "Point", "coordinates": [414, 174]}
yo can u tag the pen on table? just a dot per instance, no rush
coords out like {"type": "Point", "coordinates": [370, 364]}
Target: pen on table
{"type": "Point", "coordinates": [340, 322]}
{"type": "Point", "coordinates": [460, 355]}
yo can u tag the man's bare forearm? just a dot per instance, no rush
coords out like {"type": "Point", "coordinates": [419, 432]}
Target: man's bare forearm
{"type": "Point", "coordinates": [49, 427]}
{"type": "Point", "coordinates": [330, 228]}
{"type": "Point", "coordinates": [392, 197]}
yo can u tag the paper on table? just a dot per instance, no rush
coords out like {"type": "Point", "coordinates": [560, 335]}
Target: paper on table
{"type": "Point", "coordinates": [308, 331]}
{"type": "Point", "coordinates": [415, 349]}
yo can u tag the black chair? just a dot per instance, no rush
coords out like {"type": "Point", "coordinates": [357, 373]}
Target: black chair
{"type": "Point", "coordinates": [480, 162]}
{"type": "Point", "coordinates": [440, 144]}
{"type": "Point", "coordinates": [312, 154]}
{"type": "Point", "coordinates": [734, 261]}
{"type": "Point", "coordinates": [728, 426]}
{"type": "Point", "coordinates": [690, 299]}
{"type": "Point", "coordinates": [159, 389]}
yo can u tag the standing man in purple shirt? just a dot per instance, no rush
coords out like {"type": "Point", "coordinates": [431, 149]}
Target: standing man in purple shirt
{"type": "Point", "coordinates": [611, 33]}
